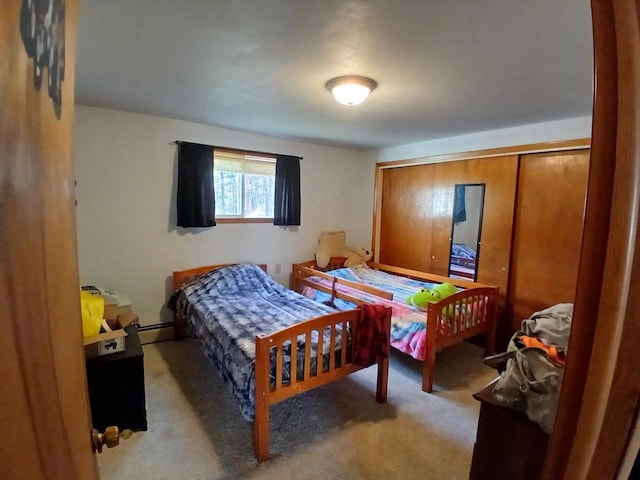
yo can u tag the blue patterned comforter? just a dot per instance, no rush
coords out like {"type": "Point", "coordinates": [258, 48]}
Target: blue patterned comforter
{"type": "Point", "coordinates": [228, 307]}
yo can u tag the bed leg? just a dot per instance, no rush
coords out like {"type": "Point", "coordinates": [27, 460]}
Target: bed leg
{"type": "Point", "coordinates": [429, 365]}
{"type": "Point", "coordinates": [428, 371]}
{"type": "Point", "coordinates": [261, 417]}
{"type": "Point", "coordinates": [261, 430]}
{"type": "Point", "coordinates": [489, 342]}
{"type": "Point", "coordinates": [180, 329]}
{"type": "Point", "coordinates": [490, 336]}
{"type": "Point", "coordinates": [383, 380]}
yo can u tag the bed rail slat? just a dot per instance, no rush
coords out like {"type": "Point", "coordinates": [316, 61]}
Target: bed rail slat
{"type": "Point", "coordinates": [307, 355]}
{"type": "Point", "coordinates": [320, 351]}
{"type": "Point", "coordinates": [343, 347]}
{"type": "Point", "coordinates": [332, 347]}
{"type": "Point", "coordinates": [279, 350]}
{"type": "Point", "coordinates": [294, 362]}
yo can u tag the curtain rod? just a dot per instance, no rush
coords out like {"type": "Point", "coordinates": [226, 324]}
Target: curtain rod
{"type": "Point", "coordinates": [235, 150]}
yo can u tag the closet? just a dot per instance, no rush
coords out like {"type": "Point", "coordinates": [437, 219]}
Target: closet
{"type": "Point", "coordinates": [531, 228]}
{"type": "Point", "coordinates": [547, 232]}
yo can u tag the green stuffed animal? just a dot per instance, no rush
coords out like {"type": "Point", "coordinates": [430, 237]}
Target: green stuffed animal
{"type": "Point", "coordinates": [421, 299]}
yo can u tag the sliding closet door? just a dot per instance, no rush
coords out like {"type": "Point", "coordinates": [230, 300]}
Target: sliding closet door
{"type": "Point", "coordinates": [547, 231]}
{"type": "Point", "coordinates": [499, 176]}
{"type": "Point", "coordinates": [417, 211]}
{"type": "Point", "coordinates": [406, 217]}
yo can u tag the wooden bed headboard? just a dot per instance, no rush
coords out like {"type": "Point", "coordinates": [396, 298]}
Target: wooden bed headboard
{"type": "Point", "coordinates": [182, 277]}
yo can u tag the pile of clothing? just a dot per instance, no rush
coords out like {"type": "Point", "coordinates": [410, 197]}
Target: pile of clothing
{"type": "Point", "coordinates": [531, 369]}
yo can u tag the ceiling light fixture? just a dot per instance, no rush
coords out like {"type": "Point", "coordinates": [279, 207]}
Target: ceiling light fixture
{"type": "Point", "coordinates": [351, 89]}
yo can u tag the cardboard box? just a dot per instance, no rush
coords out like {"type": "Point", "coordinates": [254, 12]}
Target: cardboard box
{"type": "Point", "coordinates": [114, 341]}
{"type": "Point", "coordinates": [118, 301]}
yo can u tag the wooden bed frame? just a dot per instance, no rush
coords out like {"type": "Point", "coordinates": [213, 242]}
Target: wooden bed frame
{"type": "Point", "coordinates": [266, 395]}
{"type": "Point", "coordinates": [436, 341]}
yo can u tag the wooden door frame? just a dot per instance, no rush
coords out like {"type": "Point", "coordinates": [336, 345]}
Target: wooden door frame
{"type": "Point", "coordinates": [600, 396]}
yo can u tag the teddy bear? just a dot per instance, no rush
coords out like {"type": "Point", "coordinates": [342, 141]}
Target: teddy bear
{"type": "Point", "coordinates": [357, 257]}
{"type": "Point", "coordinates": [421, 299]}
{"type": "Point", "coordinates": [330, 244]}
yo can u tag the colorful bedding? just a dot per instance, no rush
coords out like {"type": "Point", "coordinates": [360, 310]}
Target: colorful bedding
{"type": "Point", "coordinates": [225, 310]}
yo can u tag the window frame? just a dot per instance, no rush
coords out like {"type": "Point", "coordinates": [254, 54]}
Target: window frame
{"type": "Point", "coordinates": [245, 153]}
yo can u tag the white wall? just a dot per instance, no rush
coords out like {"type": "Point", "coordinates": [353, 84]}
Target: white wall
{"type": "Point", "coordinates": [125, 169]}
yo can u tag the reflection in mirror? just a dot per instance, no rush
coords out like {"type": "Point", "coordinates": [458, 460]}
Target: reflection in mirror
{"type": "Point", "coordinates": [465, 230]}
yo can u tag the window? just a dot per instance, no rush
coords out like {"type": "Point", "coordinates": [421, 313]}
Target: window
{"type": "Point", "coordinates": [244, 186]}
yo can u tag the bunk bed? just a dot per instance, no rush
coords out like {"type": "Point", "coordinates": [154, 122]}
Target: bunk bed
{"type": "Point", "coordinates": [419, 333]}
{"type": "Point", "coordinates": [246, 323]}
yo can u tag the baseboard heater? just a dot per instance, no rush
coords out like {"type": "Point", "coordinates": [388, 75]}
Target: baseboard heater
{"type": "Point", "coordinates": [158, 332]}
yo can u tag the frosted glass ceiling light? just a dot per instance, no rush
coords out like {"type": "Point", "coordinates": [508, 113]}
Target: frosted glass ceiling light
{"type": "Point", "coordinates": [351, 89]}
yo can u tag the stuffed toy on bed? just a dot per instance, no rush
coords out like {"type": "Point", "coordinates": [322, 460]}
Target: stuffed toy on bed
{"type": "Point", "coordinates": [330, 244]}
{"type": "Point", "coordinates": [357, 257]}
{"type": "Point", "coordinates": [421, 299]}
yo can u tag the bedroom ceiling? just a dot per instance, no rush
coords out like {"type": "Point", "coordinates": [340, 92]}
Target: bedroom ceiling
{"type": "Point", "coordinates": [443, 67]}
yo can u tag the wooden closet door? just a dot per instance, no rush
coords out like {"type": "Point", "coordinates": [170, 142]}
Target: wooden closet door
{"type": "Point", "coordinates": [406, 216]}
{"type": "Point", "coordinates": [417, 209]}
{"type": "Point", "coordinates": [547, 238]}
{"type": "Point", "coordinates": [499, 175]}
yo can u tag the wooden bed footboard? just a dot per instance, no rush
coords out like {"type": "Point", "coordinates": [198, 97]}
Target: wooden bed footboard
{"type": "Point", "coordinates": [456, 318]}
{"type": "Point", "coordinates": [339, 365]}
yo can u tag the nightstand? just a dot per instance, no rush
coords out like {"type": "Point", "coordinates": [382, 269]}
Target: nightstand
{"type": "Point", "coordinates": [116, 386]}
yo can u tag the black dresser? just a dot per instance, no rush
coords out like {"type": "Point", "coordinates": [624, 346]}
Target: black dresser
{"type": "Point", "coordinates": [508, 445]}
{"type": "Point", "coordinates": [116, 386]}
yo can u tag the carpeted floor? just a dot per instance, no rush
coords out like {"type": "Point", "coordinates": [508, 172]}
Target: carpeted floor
{"type": "Point", "coordinates": [337, 431]}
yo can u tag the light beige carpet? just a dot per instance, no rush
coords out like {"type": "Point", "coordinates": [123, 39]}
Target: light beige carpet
{"type": "Point", "coordinates": [337, 431]}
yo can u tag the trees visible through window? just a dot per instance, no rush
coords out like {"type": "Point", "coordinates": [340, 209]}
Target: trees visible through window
{"type": "Point", "coordinates": [244, 185]}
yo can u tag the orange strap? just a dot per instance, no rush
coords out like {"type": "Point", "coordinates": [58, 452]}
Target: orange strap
{"type": "Point", "coordinates": [554, 354]}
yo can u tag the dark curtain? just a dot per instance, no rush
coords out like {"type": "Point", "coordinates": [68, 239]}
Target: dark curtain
{"type": "Point", "coordinates": [287, 194]}
{"type": "Point", "coordinates": [196, 197]}
{"type": "Point", "coordinates": [459, 205]}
